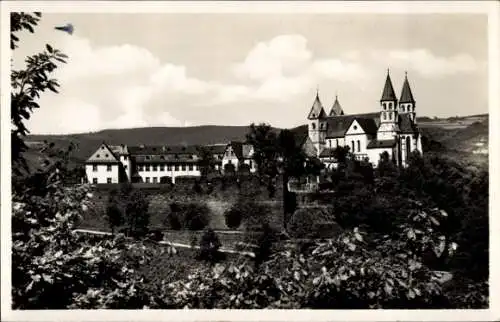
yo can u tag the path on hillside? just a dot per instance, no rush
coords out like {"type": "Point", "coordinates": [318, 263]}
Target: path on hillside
{"type": "Point", "coordinates": [163, 242]}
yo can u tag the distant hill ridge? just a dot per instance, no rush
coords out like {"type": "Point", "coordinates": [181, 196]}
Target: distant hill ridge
{"type": "Point", "coordinates": [442, 130]}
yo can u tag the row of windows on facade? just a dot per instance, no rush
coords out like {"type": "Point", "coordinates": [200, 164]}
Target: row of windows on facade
{"type": "Point", "coordinates": [147, 180]}
{"type": "Point", "coordinates": [250, 163]}
{"type": "Point", "coordinates": [402, 107]}
{"type": "Point", "coordinates": [108, 167]}
{"type": "Point", "coordinates": [384, 115]}
{"type": "Point", "coordinates": [161, 167]}
{"type": "Point", "coordinates": [107, 156]}
{"type": "Point", "coordinates": [357, 143]}
{"type": "Point", "coordinates": [321, 126]}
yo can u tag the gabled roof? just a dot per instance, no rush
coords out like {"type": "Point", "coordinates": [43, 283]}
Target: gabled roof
{"type": "Point", "coordinates": [309, 148]}
{"type": "Point", "coordinates": [336, 108]}
{"type": "Point", "coordinates": [237, 148]}
{"type": "Point", "coordinates": [317, 110]}
{"type": "Point", "coordinates": [378, 144]}
{"type": "Point", "coordinates": [388, 92]}
{"type": "Point", "coordinates": [338, 125]}
{"type": "Point", "coordinates": [369, 125]}
{"type": "Point", "coordinates": [406, 94]}
{"type": "Point", "coordinates": [104, 154]}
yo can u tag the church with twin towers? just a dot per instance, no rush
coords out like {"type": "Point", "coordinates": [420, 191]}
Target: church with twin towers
{"type": "Point", "coordinates": [391, 128]}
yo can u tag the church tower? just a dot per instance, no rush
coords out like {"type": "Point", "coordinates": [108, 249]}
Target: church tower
{"type": "Point", "coordinates": [317, 124]}
{"type": "Point", "coordinates": [406, 102]}
{"type": "Point", "coordinates": [388, 128]}
{"type": "Point", "coordinates": [336, 108]}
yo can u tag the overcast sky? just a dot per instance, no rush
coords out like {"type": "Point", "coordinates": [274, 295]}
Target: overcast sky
{"type": "Point", "coordinates": [139, 70]}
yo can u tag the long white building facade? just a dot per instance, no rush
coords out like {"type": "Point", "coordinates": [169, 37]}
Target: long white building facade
{"type": "Point", "coordinates": [161, 164]}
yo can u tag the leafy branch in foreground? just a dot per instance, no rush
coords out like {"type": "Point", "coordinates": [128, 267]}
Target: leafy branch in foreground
{"type": "Point", "coordinates": [28, 83]}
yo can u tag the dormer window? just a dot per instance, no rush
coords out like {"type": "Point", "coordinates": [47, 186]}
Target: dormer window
{"type": "Point", "coordinates": [97, 156]}
{"type": "Point", "coordinates": [102, 147]}
{"type": "Point", "coordinates": [106, 155]}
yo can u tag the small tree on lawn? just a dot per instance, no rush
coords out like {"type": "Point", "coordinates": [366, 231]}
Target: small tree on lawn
{"type": "Point", "coordinates": [114, 215]}
{"type": "Point", "coordinates": [136, 212]}
{"type": "Point", "coordinates": [207, 161]}
{"type": "Point", "coordinates": [209, 246]}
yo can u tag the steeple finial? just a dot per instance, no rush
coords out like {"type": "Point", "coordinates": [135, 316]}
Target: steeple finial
{"type": "Point", "coordinates": [317, 90]}
{"type": "Point", "coordinates": [406, 74]}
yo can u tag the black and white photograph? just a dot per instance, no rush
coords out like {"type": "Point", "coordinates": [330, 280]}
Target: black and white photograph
{"type": "Point", "coordinates": [191, 156]}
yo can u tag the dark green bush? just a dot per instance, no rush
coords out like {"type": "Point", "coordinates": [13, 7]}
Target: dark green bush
{"type": "Point", "coordinates": [233, 218]}
{"type": "Point", "coordinates": [196, 216]}
{"type": "Point", "coordinates": [209, 247]}
{"type": "Point", "coordinates": [190, 215]}
{"type": "Point", "coordinates": [173, 220]}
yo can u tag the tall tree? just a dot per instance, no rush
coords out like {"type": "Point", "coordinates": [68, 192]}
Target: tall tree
{"type": "Point", "coordinates": [264, 142]}
{"type": "Point", "coordinates": [292, 165]}
{"type": "Point", "coordinates": [207, 161]}
{"type": "Point", "coordinates": [28, 83]}
{"type": "Point", "coordinates": [292, 156]}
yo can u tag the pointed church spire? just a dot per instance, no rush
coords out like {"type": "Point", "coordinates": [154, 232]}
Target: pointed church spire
{"type": "Point", "coordinates": [336, 108]}
{"type": "Point", "coordinates": [388, 93]}
{"type": "Point", "coordinates": [406, 94]}
{"type": "Point", "coordinates": [317, 110]}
